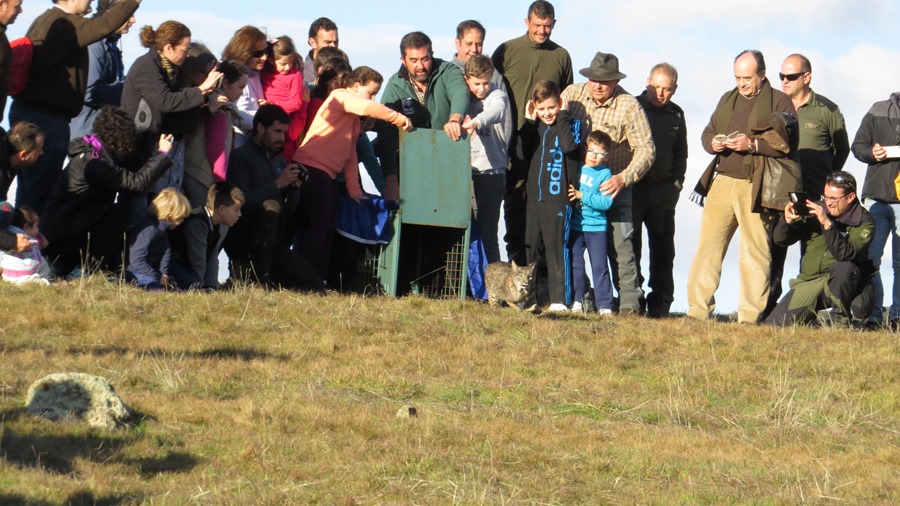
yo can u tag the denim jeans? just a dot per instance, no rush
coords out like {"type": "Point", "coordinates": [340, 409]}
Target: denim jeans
{"type": "Point", "coordinates": [886, 216]}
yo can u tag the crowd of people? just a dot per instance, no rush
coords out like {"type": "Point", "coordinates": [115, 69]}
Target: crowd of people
{"type": "Point", "coordinates": [151, 171]}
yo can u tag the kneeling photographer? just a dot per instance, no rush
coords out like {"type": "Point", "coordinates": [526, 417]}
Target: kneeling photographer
{"type": "Point", "coordinates": [835, 270]}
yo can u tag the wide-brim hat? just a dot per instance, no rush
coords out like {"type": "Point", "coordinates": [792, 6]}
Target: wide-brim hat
{"type": "Point", "coordinates": [604, 67]}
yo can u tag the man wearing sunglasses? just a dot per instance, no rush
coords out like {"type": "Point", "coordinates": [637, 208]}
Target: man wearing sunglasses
{"type": "Point", "coordinates": [835, 269]}
{"type": "Point", "coordinates": [824, 146]}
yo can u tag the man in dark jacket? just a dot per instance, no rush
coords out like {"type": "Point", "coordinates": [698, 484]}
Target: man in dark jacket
{"type": "Point", "coordinates": [19, 148]}
{"type": "Point", "coordinates": [57, 84]}
{"type": "Point", "coordinates": [835, 268]}
{"type": "Point", "coordinates": [656, 194]}
{"type": "Point", "coordinates": [106, 75]}
{"type": "Point", "coordinates": [431, 92]}
{"type": "Point", "coordinates": [876, 144]}
{"type": "Point", "coordinates": [9, 10]}
{"type": "Point", "coordinates": [257, 245]}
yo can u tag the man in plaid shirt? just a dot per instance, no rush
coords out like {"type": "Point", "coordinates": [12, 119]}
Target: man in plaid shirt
{"type": "Point", "coordinates": [601, 104]}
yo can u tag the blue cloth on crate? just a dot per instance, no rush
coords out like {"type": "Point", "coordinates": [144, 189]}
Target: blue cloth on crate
{"type": "Point", "coordinates": [368, 221]}
{"type": "Point", "coordinates": [477, 263]}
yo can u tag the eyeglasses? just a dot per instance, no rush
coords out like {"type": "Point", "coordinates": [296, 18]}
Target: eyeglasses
{"type": "Point", "coordinates": [833, 200]}
{"type": "Point", "coordinates": [598, 154]}
{"type": "Point", "coordinates": [258, 54]}
{"type": "Point", "coordinates": [790, 77]}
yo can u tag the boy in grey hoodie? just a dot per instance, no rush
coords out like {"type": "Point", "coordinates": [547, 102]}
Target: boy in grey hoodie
{"type": "Point", "coordinates": [489, 126]}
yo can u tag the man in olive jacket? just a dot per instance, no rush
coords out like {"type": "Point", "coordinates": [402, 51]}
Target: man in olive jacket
{"type": "Point", "coordinates": [430, 91]}
{"type": "Point", "coordinates": [57, 84]}
{"type": "Point", "coordinates": [835, 268]}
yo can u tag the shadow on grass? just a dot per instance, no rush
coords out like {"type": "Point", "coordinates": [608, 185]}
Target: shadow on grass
{"type": "Point", "coordinates": [223, 353]}
{"type": "Point", "coordinates": [56, 453]}
{"type": "Point", "coordinates": [21, 499]}
{"type": "Point", "coordinates": [169, 463]}
{"type": "Point", "coordinates": [87, 498]}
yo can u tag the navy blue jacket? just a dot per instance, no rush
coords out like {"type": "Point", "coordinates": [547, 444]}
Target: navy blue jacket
{"type": "Point", "coordinates": [555, 158]}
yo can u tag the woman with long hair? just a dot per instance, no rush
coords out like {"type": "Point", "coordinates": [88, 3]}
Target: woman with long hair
{"type": "Point", "coordinates": [249, 46]}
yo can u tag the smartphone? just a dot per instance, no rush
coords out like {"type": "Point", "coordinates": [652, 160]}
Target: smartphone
{"type": "Point", "coordinates": [219, 82]}
{"type": "Point", "coordinates": [799, 200]}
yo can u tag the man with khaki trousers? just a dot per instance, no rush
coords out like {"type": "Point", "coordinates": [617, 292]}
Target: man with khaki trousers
{"type": "Point", "coordinates": [726, 191]}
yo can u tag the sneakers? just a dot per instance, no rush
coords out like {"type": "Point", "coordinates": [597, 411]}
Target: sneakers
{"type": "Point", "coordinates": [605, 312]}
{"type": "Point", "coordinates": [577, 307]}
{"type": "Point", "coordinates": [556, 307]}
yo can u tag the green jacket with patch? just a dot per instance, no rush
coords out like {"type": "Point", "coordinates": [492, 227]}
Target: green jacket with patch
{"type": "Point", "coordinates": [848, 239]}
{"type": "Point", "coordinates": [446, 94]}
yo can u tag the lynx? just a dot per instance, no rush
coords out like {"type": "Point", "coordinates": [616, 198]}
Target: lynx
{"type": "Point", "coordinates": [507, 282]}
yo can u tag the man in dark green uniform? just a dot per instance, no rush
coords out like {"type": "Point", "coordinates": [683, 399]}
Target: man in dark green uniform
{"type": "Point", "coordinates": [824, 145]}
{"type": "Point", "coordinates": [835, 267]}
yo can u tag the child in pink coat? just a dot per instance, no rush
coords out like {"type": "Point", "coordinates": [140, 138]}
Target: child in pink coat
{"type": "Point", "coordinates": [282, 82]}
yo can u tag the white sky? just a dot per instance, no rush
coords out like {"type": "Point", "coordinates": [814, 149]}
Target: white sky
{"type": "Point", "coordinates": [854, 64]}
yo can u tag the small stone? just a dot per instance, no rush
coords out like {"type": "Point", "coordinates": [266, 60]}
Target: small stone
{"type": "Point", "coordinates": [407, 412]}
{"type": "Point", "coordinates": [77, 396]}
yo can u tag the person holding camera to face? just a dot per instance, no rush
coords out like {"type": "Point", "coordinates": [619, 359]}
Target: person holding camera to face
{"type": "Point", "coordinates": [258, 246]}
{"type": "Point", "coordinates": [835, 268]}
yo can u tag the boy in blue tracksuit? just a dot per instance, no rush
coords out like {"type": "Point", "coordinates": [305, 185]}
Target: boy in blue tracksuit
{"type": "Point", "coordinates": [589, 224]}
{"type": "Point", "coordinates": [551, 141]}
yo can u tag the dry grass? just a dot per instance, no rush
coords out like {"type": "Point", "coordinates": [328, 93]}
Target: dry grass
{"type": "Point", "coordinates": [250, 397]}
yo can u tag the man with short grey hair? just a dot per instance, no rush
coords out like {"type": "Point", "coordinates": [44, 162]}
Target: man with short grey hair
{"type": "Point", "coordinates": [601, 104]}
{"type": "Point", "coordinates": [656, 194]}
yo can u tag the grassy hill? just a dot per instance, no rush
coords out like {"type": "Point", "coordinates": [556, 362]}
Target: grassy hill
{"type": "Point", "coordinates": [253, 397]}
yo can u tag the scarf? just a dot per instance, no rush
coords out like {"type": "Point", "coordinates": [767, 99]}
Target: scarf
{"type": "Point", "coordinates": [721, 119]}
{"type": "Point", "coordinates": [169, 67]}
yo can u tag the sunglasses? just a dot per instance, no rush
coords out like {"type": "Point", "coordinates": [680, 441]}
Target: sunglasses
{"type": "Point", "coordinates": [258, 54]}
{"type": "Point", "coordinates": [841, 181]}
{"type": "Point", "coordinates": [790, 77]}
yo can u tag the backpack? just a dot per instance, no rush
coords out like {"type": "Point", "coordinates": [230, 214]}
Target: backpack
{"type": "Point", "coordinates": [20, 65]}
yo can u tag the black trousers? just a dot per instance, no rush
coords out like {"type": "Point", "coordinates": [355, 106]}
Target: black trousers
{"type": "Point", "coordinates": [653, 207]}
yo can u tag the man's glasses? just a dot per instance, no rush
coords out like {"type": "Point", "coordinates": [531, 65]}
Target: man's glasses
{"type": "Point", "coordinates": [598, 154]}
{"type": "Point", "coordinates": [790, 77]}
{"type": "Point", "coordinates": [833, 200]}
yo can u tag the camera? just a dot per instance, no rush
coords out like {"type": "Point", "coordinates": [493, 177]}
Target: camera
{"type": "Point", "coordinates": [799, 199]}
{"type": "Point", "coordinates": [302, 172]}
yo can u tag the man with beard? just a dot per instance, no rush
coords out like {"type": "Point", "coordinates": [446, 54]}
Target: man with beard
{"type": "Point", "coordinates": [257, 245]}
{"type": "Point", "coordinates": [430, 92]}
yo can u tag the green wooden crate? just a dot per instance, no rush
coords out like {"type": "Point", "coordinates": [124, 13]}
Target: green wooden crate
{"type": "Point", "coordinates": [429, 251]}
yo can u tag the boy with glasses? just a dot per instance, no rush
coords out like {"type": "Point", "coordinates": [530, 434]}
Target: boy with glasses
{"type": "Point", "coordinates": [835, 270]}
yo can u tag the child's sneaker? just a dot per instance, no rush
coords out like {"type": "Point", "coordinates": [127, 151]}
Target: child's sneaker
{"type": "Point", "coordinates": [556, 307]}
{"type": "Point", "coordinates": [577, 307]}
